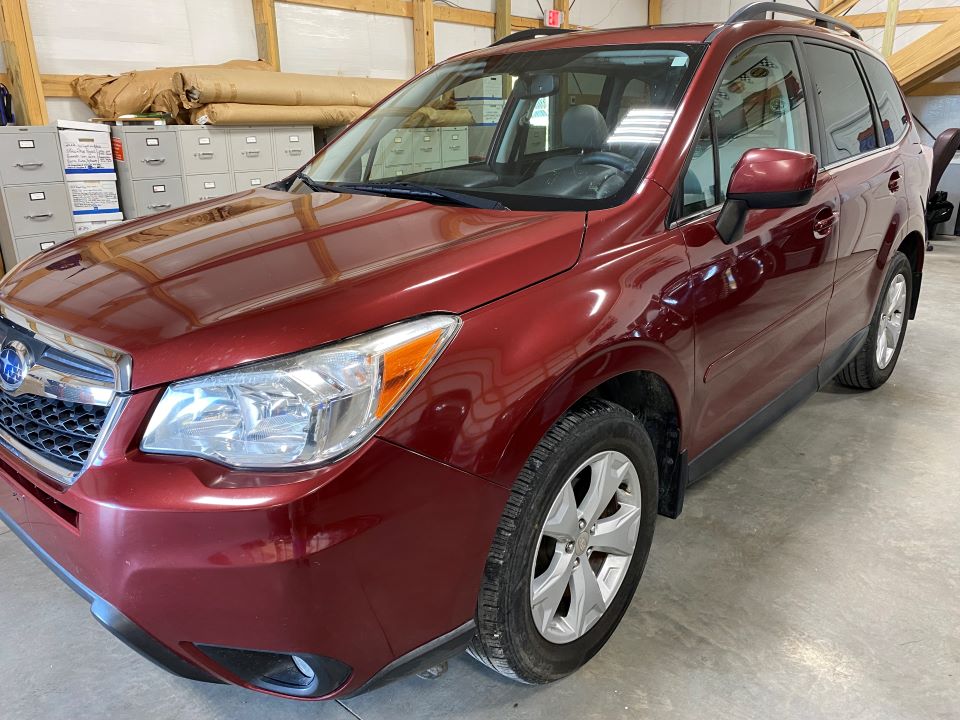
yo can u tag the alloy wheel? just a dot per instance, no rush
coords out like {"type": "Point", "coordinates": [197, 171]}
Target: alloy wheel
{"type": "Point", "coordinates": [585, 547]}
{"type": "Point", "coordinates": [891, 321]}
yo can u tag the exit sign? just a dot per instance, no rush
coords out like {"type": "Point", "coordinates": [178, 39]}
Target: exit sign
{"type": "Point", "coordinates": [552, 18]}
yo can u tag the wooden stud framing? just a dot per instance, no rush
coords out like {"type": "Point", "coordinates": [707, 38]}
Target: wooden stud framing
{"type": "Point", "coordinates": [503, 24]}
{"type": "Point", "coordinates": [265, 22]}
{"type": "Point", "coordinates": [836, 7]}
{"type": "Point", "coordinates": [938, 89]}
{"type": "Point", "coordinates": [905, 17]}
{"type": "Point", "coordinates": [890, 27]}
{"type": "Point", "coordinates": [16, 38]}
{"type": "Point", "coordinates": [424, 51]}
{"type": "Point", "coordinates": [564, 7]}
{"type": "Point", "coordinates": [654, 12]}
{"type": "Point", "coordinates": [928, 57]}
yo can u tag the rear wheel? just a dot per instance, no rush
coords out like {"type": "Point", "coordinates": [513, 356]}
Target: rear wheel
{"type": "Point", "coordinates": [571, 546]}
{"type": "Point", "coordinates": [874, 364]}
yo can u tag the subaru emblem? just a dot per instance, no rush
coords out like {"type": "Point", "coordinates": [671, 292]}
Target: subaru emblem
{"type": "Point", "coordinates": [15, 361]}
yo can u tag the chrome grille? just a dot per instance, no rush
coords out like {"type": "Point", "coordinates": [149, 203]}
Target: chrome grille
{"type": "Point", "coordinates": [62, 432]}
{"type": "Point", "coordinates": [58, 412]}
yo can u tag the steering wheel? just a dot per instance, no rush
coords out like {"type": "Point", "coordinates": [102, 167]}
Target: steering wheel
{"type": "Point", "coordinates": [620, 162]}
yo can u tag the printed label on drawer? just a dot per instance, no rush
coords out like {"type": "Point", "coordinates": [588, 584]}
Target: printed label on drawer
{"type": "Point", "coordinates": [255, 181]}
{"type": "Point", "coordinates": [26, 144]}
{"type": "Point", "coordinates": [203, 141]}
{"type": "Point", "coordinates": [153, 142]}
{"type": "Point", "coordinates": [46, 245]}
{"type": "Point", "coordinates": [251, 139]}
{"type": "Point", "coordinates": [398, 139]}
{"type": "Point", "coordinates": [159, 188]}
{"type": "Point", "coordinates": [294, 138]}
{"type": "Point", "coordinates": [38, 196]}
{"type": "Point", "coordinates": [209, 185]}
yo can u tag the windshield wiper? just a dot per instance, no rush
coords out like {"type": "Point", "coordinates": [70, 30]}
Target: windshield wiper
{"type": "Point", "coordinates": [316, 186]}
{"type": "Point", "coordinates": [416, 190]}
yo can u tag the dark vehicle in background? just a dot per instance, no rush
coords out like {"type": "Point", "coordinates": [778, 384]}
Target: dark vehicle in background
{"type": "Point", "coordinates": [309, 438]}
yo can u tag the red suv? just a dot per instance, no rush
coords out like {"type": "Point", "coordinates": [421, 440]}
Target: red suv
{"type": "Point", "coordinates": [308, 438]}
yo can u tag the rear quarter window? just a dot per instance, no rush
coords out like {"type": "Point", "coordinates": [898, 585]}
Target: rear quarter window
{"type": "Point", "coordinates": [845, 109]}
{"type": "Point", "coordinates": [893, 114]}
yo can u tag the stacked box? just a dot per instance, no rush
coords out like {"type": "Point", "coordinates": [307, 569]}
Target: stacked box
{"type": "Point", "coordinates": [87, 158]}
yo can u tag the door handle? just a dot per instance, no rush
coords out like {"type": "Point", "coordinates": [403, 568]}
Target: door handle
{"type": "Point", "coordinates": [894, 183]}
{"type": "Point", "coordinates": [823, 223]}
{"type": "Point", "coordinates": [154, 161]}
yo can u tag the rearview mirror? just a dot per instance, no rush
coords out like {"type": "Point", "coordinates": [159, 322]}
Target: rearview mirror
{"type": "Point", "coordinates": [765, 178]}
{"type": "Point", "coordinates": [533, 87]}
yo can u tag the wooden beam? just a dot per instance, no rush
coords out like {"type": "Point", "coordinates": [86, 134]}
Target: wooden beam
{"type": "Point", "coordinates": [265, 23]}
{"type": "Point", "coordinates": [905, 17]}
{"type": "Point", "coordinates": [928, 57]}
{"type": "Point", "coordinates": [503, 24]}
{"type": "Point", "coordinates": [654, 12]}
{"type": "Point", "coordinates": [837, 7]}
{"type": "Point", "coordinates": [938, 89]}
{"type": "Point", "coordinates": [404, 8]}
{"type": "Point", "coordinates": [890, 27]}
{"type": "Point", "coordinates": [424, 51]}
{"type": "Point", "coordinates": [462, 16]}
{"type": "Point", "coordinates": [16, 38]}
{"type": "Point", "coordinates": [58, 85]}
{"type": "Point", "coordinates": [564, 7]}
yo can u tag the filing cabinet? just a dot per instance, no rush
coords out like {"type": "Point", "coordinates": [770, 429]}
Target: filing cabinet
{"type": "Point", "coordinates": [251, 148]}
{"type": "Point", "coordinates": [454, 148]}
{"type": "Point", "coordinates": [203, 150]}
{"type": "Point", "coordinates": [207, 187]}
{"type": "Point", "coordinates": [34, 207]}
{"type": "Point", "coordinates": [29, 155]}
{"type": "Point", "coordinates": [194, 163]}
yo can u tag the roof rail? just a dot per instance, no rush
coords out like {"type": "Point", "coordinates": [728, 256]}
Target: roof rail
{"type": "Point", "coordinates": [530, 34]}
{"type": "Point", "coordinates": [759, 10]}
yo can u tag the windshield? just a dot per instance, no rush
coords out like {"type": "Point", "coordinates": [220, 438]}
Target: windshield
{"type": "Point", "coordinates": [568, 129]}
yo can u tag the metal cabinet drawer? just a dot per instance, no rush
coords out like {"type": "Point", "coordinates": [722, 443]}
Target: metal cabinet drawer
{"type": "Point", "coordinates": [251, 149]}
{"type": "Point", "coordinates": [152, 153]}
{"type": "Point", "coordinates": [455, 150]}
{"type": "Point", "coordinates": [293, 146]}
{"type": "Point", "coordinates": [398, 148]}
{"type": "Point", "coordinates": [253, 180]}
{"type": "Point", "coordinates": [154, 196]}
{"type": "Point", "coordinates": [28, 156]}
{"type": "Point", "coordinates": [28, 246]}
{"type": "Point", "coordinates": [206, 187]}
{"type": "Point", "coordinates": [203, 150]}
{"type": "Point", "coordinates": [38, 209]}
{"type": "Point", "coordinates": [427, 146]}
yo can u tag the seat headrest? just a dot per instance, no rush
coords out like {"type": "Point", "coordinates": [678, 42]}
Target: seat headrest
{"type": "Point", "coordinates": [583, 127]}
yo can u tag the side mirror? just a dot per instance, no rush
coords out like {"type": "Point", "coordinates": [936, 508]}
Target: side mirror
{"type": "Point", "coordinates": [765, 178]}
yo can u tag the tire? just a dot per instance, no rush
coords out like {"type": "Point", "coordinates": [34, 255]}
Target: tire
{"type": "Point", "coordinates": [865, 371]}
{"type": "Point", "coordinates": [508, 638]}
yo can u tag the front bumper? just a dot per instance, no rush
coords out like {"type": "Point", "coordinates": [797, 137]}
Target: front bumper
{"type": "Point", "coordinates": [366, 562]}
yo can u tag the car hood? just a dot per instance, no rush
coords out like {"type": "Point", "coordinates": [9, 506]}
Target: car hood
{"type": "Point", "coordinates": [265, 273]}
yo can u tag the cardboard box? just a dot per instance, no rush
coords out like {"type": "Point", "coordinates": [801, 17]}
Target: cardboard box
{"type": "Point", "coordinates": [87, 226]}
{"type": "Point", "coordinates": [86, 151]}
{"type": "Point", "coordinates": [94, 200]}
{"type": "Point", "coordinates": [484, 112]}
{"type": "Point", "coordinates": [484, 88]}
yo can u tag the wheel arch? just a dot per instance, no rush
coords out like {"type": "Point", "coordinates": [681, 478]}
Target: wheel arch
{"type": "Point", "coordinates": [914, 247]}
{"type": "Point", "coordinates": [647, 380]}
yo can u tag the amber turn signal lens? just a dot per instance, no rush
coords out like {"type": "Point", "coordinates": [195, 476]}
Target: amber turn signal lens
{"type": "Point", "coordinates": [402, 366]}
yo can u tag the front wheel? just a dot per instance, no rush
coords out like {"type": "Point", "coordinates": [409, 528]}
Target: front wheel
{"type": "Point", "coordinates": [571, 546]}
{"type": "Point", "coordinates": [874, 364]}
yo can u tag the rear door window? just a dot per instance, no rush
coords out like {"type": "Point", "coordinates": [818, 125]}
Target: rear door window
{"type": "Point", "coordinates": [893, 114]}
{"type": "Point", "coordinates": [845, 109]}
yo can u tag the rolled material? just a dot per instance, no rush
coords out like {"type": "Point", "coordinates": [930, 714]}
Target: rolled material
{"type": "Point", "coordinates": [206, 86]}
{"type": "Point", "coordinates": [326, 116]}
{"type": "Point", "coordinates": [142, 91]}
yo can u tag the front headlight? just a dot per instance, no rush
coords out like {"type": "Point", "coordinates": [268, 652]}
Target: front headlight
{"type": "Point", "coordinates": [300, 410]}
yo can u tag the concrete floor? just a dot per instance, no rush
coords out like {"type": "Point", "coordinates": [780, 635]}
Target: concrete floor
{"type": "Point", "coordinates": [816, 575]}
